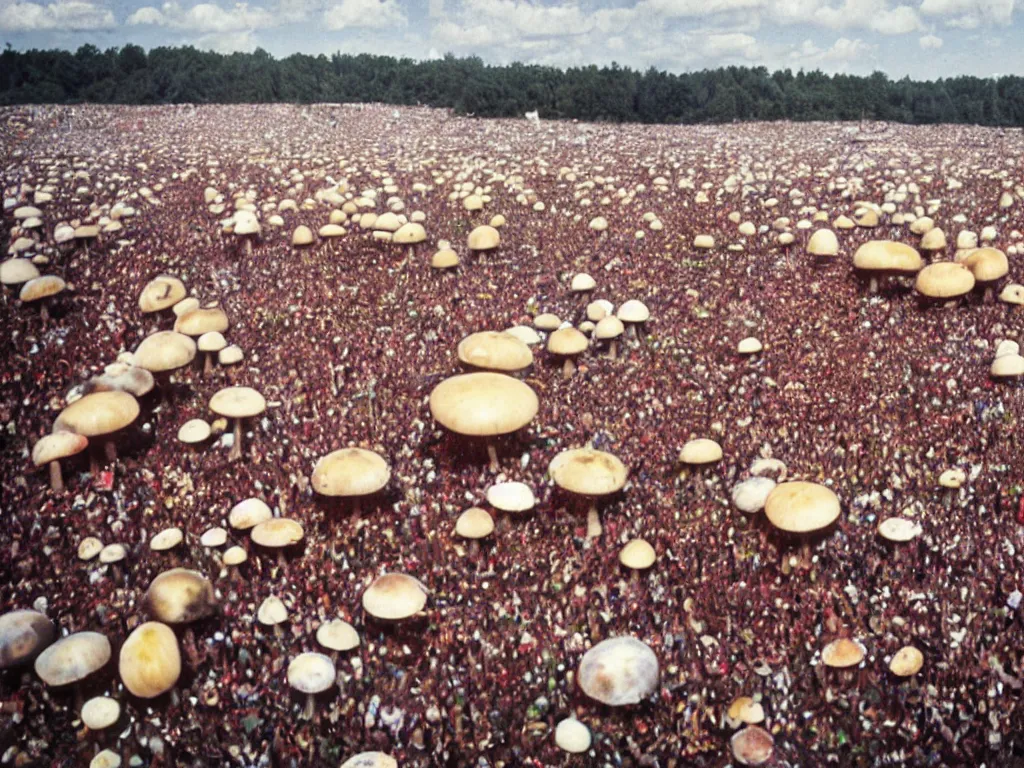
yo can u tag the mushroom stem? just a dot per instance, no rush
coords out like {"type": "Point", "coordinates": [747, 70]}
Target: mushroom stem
{"type": "Point", "coordinates": [236, 446]}
{"type": "Point", "coordinates": [492, 453]}
{"type": "Point", "coordinates": [281, 560]}
{"type": "Point", "coordinates": [248, 246]}
{"type": "Point", "coordinates": [873, 284]}
{"type": "Point", "coordinates": [357, 511]}
{"type": "Point", "coordinates": [110, 449]}
{"type": "Point", "coordinates": [94, 463]}
{"type": "Point", "coordinates": [594, 528]}
{"type": "Point", "coordinates": [56, 477]}
{"type": "Point", "coordinates": [613, 349]}
{"type": "Point", "coordinates": [307, 713]}
{"type": "Point", "coordinates": [44, 314]}
{"type": "Point", "coordinates": [208, 364]}
{"type": "Point", "coordinates": [567, 368]}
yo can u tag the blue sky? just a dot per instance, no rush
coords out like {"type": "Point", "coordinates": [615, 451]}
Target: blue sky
{"type": "Point", "coordinates": [925, 39]}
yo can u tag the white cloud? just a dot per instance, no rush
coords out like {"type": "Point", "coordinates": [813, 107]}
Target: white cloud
{"type": "Point", "coordinates": [930, 42]}
{"type": "Point", "coordinates": [146, 15]}
{"type": "Point", "coordinates": [365, 14]}
{"type": "Point", "coordinates": [998, 11]}
{"type": "Point", "coordinates": [729, 44]}
{"type": "Point", "coordinates": [72, 15]}
{"type": "Point", "coordinates": [435, 9]}
{"type": "Point", "coordinates": [205, 18]}
{"type": "Point", "coordinates": [228, 42]}
{"type": "Point", "coordinates": [843, 55]}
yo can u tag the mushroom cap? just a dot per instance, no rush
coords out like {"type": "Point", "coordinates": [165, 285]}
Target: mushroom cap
{"type": "Point", "coordinates": [750, 495]}
{"type": "Point", "coordinates": [350, 472]}
{"type": "Point", "coordinates": [238, 403]}
{"type": "Point", "coordinates": [409, 234]}
{"type": "Point", "coordinates": [302, 235]}
{"type": "Point", "coordinates": [823, 243]}
{"type": "Point", "coordinates": [944, 280]}
{"type": "Point", "coordinates": [497, 220]}
{"type": "Point", "coordinates": [214, 537]}
{"type": "Point", "coordinates": [311, 673]}
{"type": "Point", "coordinates": [701, 451]}
{"type": "Point", "coordinates": [331, 230]}
{"type": "Point", "coordinates": [953, 478]}
{"type": "Point", "coordinates": [277, 532]}
{"type": "Point", "coordinates": [124, 377]}
{"type": "Point", "coordinates": [23, 636]}
{"type": "Point", "coordinates": [1007, 347]}
{"type": "Point", "coordinates": [1007, 366]}
{"type": "Point", "coordinates": [495, 350]}
{"type": "Point", "coordinates": [988, 264]}
{"type": "Point", "coordinates": [89, 547]}
{"type": "Point", "coordinates": [41, 287]}
{"type": "Point", "coordinates": [161, 293]}
{"type": "Point", "coordinates": [744, 709]}
{"type": "Point", "coordinates": [27, 212]}
{"type": "Point", "coordinates": [608, 327]}
{"type": "Point", "coordinates": [637, 555]}
{"type": "Point", "coordinates": [106, 758]}
{"type": "Point", "coordinates": [87, 232]}
{"type": "Point", "coordinates": [235, 555]}
{"type": "Point", "coordinates": [445, 258]}
{"type": "Point", "coordinates": [474, 523]}
{"type": "Point", "coordinates": [567, 341]}
{"type": "Point", "coordinates": [907, 661]}
{"type": "Point", "coordinates": [17, 271]}
{"type": "Point", "coordinates": [752, 746]}
{"type": "Point", "coordinates": [599, 224]}
{"type": "Point", "coordinates": [98, 413]}
{"type": "Point", "coordinates": [211, 341]}
{"type": "Point", "coordinates": [272, 611]}
{"type": "Point", "coordinates": [511, 497]}
{"type": "Point", "coordinates": [483, 238]}
{"type": "Point", "coordinates": [1013, 293]}
{"type": "Point", "coordinates": [634, 311]}
{"type": "Point", "coordinates": [57, 446]}
{"type": "Point", "coordinates": [200, 321]}
{"type": "Point", "coordinates": [168, 538]}
{"type": "Point", "coordinates": [588, 472]}
{"type": "Point", "coordinates": [194, 431]}
{"type": "Point", "coordinates": [483, 404]}
{"type": "Point", "coordinates": [73, 658]}
{"type": "Point", "coordinates": [525, 334]}
{"type": "Point", "coordinates": [185, 306]}
{"type": "Point", "coordinates": [749, 346]}
{"type": "Point", "coordinates": [572, 736]}
{"type": "Point", "coordinates": [842, 653]}
{"type": "Point", "coordinates": [887, 255]}
{"type": "Point", "coordinates": [113, 553]}
{"type": "Point", "coordinates": [801, 507]}
{"type": "Point", "coordinates": [898, 529]}
{"type": "Point", "coordinates": [165, 351]}
{"type": "Point", "coordinates": [249, 513]}
{"type": "Point", "coordinates": [704, 242]}
{"type": "Point", "coordinates": [230, 355]}
{"type": "Point", "coordinates": [619, 671]}
{"type": "Point", "coordinates": [337, 635]}
{"type": "Point", "coordinates": [933, 240]}
{"type": "Point", "coordinates": [150, 662]}
{"type": "Point", "coordinates": [180, 596]}
{"type": "Point", "coordinates": [546, 321]}
{"type": "Point", "coordinates": [100, 712]}
{"type": "Point", "coordinates": [370, 760]}
{"type": "Point", "coordinates": [387, 222]}
{"type": "Point", "coordinates": [583, 282]}
{"type": "Point", "coordinates": [394, 596]}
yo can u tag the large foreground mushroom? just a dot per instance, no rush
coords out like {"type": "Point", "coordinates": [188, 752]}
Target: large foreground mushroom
{"type": "Point", "coordinates": [619, 671]}
{"type": "Point", "coordinates": [99, 414]}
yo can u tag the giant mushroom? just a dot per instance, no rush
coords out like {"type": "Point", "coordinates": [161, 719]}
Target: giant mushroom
{"type": "Point", "coordinates": [590, 473]}
{"type": "Point", "coordinates": [880, 258]}
{"type": "Point", "coordinates": [99, 414]}
{"type": "Point", "coordinates": [352, 473]}
{"type": "Point", "coordinates": [799, 507]}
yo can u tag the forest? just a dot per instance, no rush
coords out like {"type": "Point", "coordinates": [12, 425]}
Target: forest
{"type": "Point", "coordinates": [165, 75]}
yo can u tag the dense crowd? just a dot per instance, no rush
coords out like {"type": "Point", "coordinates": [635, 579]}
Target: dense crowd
{"type": "Point", "coordinates": [873, 395]}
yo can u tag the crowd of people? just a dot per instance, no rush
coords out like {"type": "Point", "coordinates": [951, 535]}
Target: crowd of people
{"type": "Point", "coordinates": [873, 395]}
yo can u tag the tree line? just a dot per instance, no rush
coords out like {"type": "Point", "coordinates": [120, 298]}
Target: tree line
{"type": "Point", "coordinates": [130, 75]}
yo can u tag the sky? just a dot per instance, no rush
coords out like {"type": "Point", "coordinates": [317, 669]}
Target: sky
{"type": "Point", "coordinates": [924, 39]}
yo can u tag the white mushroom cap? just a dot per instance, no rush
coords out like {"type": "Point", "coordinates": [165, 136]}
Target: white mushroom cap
{"type": "Point", "coordinates": [572, 736]}
{"type": "Point", "coordinates": [511, 497]}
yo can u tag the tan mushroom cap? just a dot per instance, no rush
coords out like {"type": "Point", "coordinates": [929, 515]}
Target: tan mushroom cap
{"type": "Point", "coordinates": [888, 256]}
{"type": "Point", "coordinates": [511, 497]}
{"type": "Point", "coordinates": [100, 712]}
{"type": "Point", "coordinates": [495, 350]}
{"type": "Point", "coordinates": [445, 258]}
{"type": "Point", "coordinates": [277, 532]}
{"type": "Point", "coordinates": [185, 306]}
{"type": "Point", "coordinates": [387, 222]}
{"type": "Point", "coordinates": [907, 661]}
{"type": "Point", "coordinates": [842, 653]}
{"type": "Point", "coordinates": [608, 327]}
{"type": "Point", "coordinates": [128, 378]}
{"type": "Point", "coordinates": [211, 341]}
{"type": "Point", "coordinates": [823, 243]}
{"type": "Point", "coordinates": [583, 282]}
{"type": "Point", "coordinates": [474, 523]}
{"type": "Point", "coordinates": [953, 478]}
{"type": "Point", "coordinates": [180, 596]}
{"type": "Point", "coordinates": [944, 280]}
{"type": "Point", "coordinates": [483, 238]}
{"type": "Point", "coordinates": [988, 264]}
{"type": "Point", "coordinates": [394, 596]}
{"type": "Point", "coordinates": [73, 658]}
{"type": "Point", "coordinates": [933, 240]}
{"type": "Point", "coordinates": [41, 287]}
{"type": "Point", "coordinates": [165, 351]}
{"type": "Point", "coordinates": [752, 746]}
{"type": "Point", "coordinates": [801, 507]}
{"type": "Point", "coordinates": [89, 547]}
{"type": "Point", "coordinates": [1013, 293]}
{"type": "Point", "coordinates": [302, 235]}
{"type": "Point", "coordinates": [1007, 347]}
{"type": "Point", "coordinates": [238, 403]}
{"type": "Point", "coordinates": [194, 431]}
{"type": "Point", "coordinates": [98, 413]}
{"type": "Point", "coordinates": [483, 404]}
{"type": "Point", "coordinates": [230, 355]}
{"type": "Point", "coordinates": [749, 346]}
{"type": "Point", "coordinates": [567, 341]}
{"type": "Point", "coordinates": [744, 709]}
{"type": "Point", "coordinates": [167, 539]}
{"type": "Point", "coordinates": [637, 555]}
{"type": "Point", "coordinates": [546, 321]}
{"type": "Point", "coordinates": [370, 760]}
{"type": "Point", "coordinates": [150, 662]}
{"type": "Point", "coordinates": [17, 271]}
{"type": "Point", "coordinates": [214, 537]}
{"type": "Point", "coordinates": [57, 446]}
{"type": "Point", "coordinates": [350, 472]}
{"type": "Point", "coordinates": [1007, 366]}
{"type": "Point", "coordinates": [409, 234]}
{"type": "Point", "coordinates": [23, 636]}
{"type": "Point", "coordinates": [337, 635]}
{"type": "Point", "coordinates": [200, 321]}
{"type": "Point", "coordinates": [704, 242]}
{"type": "Point", "coordinates": [634, 311]}
{"type": "Point", "coordinates": [87, 232]}
{"type": "Point", "coordinates": [525, 334]}
{"type": "Point", "coordinates": [588, 472]}
{"type": "Point", "coordinates": [700, 451]}
{"type": "Point", "coordinates": [106, 758]}
{"type": "Point", "coordinates": [113, 553]}
{"type": "Point", "coordinates": [572, 736]}
{"type": "Point", "coordinates": [899, 529]}
{"type": "Point", "coordinates": [599, 224]}
{"type": "Point", "coordinates": [272, 611]}
{"type": "Point", "coordinates": [619, 671]}
{"type": "Point", "coordinates": [497, 220]}
{"type": "Point", "coordinates": [249, 513]}
{"type": "Point", "coordinates": [235, 555]}
{"type": "Point", "coordinates": [27, 212]}
{"type": "Point", "coordinates": [311, 673]}
{"type": "Point", "coordinates": [161, 293]}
